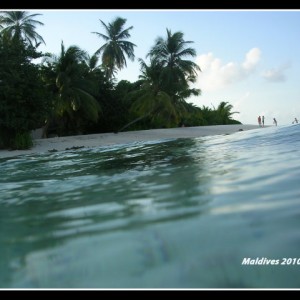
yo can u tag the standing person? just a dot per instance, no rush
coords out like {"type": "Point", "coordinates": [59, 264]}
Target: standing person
{"type": "Point", "coordinates": [274, 121]}
{"type": "Point", "coordinates": [296, 121]}
{"type": "Point", "coordinates": [263, 121]}
{"type": "Point", "coordinates": [259, 121]}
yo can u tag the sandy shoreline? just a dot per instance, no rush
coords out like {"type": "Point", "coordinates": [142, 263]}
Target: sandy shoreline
{"type": "Point", "coordinates": [106, 139]}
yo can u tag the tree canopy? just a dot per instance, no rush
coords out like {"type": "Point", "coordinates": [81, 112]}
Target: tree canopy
{"type": "Point", "coordinates": [77, 93]}
{"type": "Point", "coordinates": [116, 46]}
{"type": "Point", "coordinates": [20, 25]}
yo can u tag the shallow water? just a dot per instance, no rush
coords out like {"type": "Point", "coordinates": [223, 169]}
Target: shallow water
{"type": "Point", "coordinates": [180, 213]}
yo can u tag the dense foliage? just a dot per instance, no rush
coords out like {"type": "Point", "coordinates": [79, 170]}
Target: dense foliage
{"type": "Point", "coordinates": [75, 93]}
{"type": "Point", "coordinates": [23, 98]}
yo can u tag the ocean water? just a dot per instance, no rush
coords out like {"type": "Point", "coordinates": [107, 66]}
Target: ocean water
{"type": "Point", "coordinates": [180, 213]}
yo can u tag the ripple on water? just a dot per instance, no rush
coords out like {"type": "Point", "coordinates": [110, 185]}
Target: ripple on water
{"type": "Point", "coordinates": [154, 214]}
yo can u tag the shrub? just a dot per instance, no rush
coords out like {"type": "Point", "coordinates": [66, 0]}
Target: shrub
{"type": "Point", "coordinates": [22, 140]}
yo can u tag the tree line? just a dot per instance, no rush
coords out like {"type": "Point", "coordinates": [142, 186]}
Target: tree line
{"type": "Point", "coordinates": [74, 93]}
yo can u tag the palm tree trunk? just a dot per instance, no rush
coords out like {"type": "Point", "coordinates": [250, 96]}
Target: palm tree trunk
{"type": "Point", "coordinates": [132, 122]}
{"type": "Point", "coordinates": [45, 129]}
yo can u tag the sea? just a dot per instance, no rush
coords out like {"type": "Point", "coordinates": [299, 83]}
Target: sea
{"type": "Point", "coordinates": [190, 213]}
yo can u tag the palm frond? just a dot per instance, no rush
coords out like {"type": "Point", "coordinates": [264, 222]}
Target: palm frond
{"type": "Point", "coordinates": [21, 24]}
{"type": "Point", "coordinates": [116, 46]}
{"type": "Point", "coordinates": [105, 37]}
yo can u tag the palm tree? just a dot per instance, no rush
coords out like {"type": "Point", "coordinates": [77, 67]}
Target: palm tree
{"type": "Point", "coordinates": [92, 63]}
{"type": "Point", "coordinates": [224, 112]}
{"type": "Point", "coordinates": [74, 89]}
{"type": "Point", "coordinates": [95, 72]}
{"type": "Point", "coordinates": [165, 82]}
{"type": "Point", "coordinates": [208, 115]}
{"type": "Point", "coordinates": [116, 45]}
{"type": "Point", "coordinates": [170, 53]}
{"type": "Point", "coordinates": [151, 101]}
{"type": "Point", "coordinates": [20, 25]}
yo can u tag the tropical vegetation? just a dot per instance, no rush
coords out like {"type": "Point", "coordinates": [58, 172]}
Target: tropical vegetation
{"type": "Point", "coordinates": [72, 92]}
{"type": "Point", "coordinates": [71, 77]}
{"type": "Point", "coordinates": [116, 46]}
{"type": "Point", "coordinates": [18, 25]}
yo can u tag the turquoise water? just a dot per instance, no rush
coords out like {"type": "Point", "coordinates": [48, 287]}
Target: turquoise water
{"type": "Point", "coordinates": [180, 213]}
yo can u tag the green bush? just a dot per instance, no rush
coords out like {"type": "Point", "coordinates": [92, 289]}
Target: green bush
{"type": "Point", "coordinates": [21, 141]}
{"type": "Point", "coordinates": [24, 103]}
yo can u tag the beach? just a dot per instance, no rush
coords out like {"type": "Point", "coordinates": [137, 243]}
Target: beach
{"type": "Point", "coordinates": [107, 139]}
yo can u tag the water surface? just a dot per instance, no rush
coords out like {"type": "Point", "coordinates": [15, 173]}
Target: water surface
{"type": "Point", "coordinates": [179, 213]}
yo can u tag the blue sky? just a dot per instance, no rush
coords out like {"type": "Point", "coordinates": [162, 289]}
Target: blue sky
{"type": "Point", "coordinates": [249, 58]}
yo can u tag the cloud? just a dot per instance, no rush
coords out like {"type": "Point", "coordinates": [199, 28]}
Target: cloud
{"type": "Point", "coordinates": [216, 75]}
{"type": "Point", "coordinates": [276, 74]}
{"type": "Point", "coordinates": [251, 61]}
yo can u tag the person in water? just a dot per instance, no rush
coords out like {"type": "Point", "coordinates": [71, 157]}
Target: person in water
{"type": "Point", "coordinates": [263, 121]}
{"type": "Point", "coordinates": [275, 121]}
{"type": "Point", "coordinates": [295, 121]}
{"type": "Point", "coordinates": [259, 121]}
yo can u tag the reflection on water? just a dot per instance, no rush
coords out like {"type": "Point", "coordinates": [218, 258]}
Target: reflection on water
{"type": "Point", "coordinates": [173, 214]}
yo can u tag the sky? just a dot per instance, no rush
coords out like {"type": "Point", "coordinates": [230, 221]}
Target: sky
{"type": "Point", "coordinates": [249, 58]}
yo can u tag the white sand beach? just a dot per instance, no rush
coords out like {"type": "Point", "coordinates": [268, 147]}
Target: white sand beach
{"type": "Point", "coordinates": [105, 139]}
